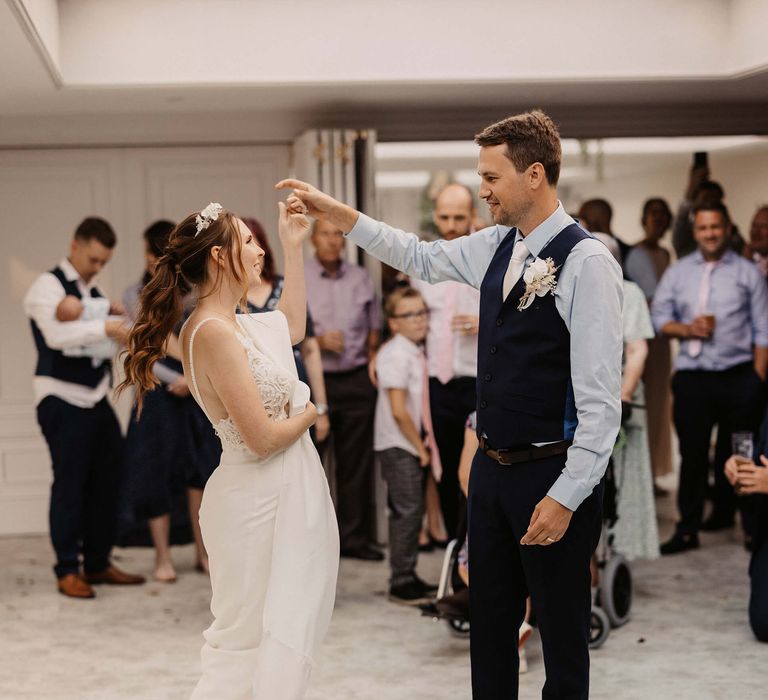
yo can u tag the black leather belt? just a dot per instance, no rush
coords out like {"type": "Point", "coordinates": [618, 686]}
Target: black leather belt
{"type": "Point", "coordinates": [529, 453]}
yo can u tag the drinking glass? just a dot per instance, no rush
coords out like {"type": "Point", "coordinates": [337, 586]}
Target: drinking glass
{"type": "Point", "coordinates": [742, 444]}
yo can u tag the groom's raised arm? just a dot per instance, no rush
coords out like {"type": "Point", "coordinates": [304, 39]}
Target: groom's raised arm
{"type": "Point", "coordinates": [464, 259]}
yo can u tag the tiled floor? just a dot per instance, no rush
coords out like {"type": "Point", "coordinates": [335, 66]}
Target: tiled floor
{"type": "Point", "coordinates": [688, 639]}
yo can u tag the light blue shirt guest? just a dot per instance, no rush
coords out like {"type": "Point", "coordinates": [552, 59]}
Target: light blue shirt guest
{"type": "Point", "coordinates": [588, 298]}
{"type": "Point", "coordinates": [738, 299]}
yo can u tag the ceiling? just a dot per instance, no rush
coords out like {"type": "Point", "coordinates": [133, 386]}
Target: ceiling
{"type": "Point", "coordinates": [41, 106]}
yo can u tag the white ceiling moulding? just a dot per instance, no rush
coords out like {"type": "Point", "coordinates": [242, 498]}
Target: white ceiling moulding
{"type": "Point", "coordinates": [40, 21]}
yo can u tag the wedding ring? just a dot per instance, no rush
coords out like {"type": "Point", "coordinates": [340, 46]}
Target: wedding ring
{"type": "Point", "coordinates": [549, 539]}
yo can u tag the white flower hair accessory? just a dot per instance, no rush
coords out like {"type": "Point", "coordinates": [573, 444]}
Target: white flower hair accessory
{"type": "Point", "coordinates": [539, 280]}
{"type": "Point", "coordinates": [204, 218]}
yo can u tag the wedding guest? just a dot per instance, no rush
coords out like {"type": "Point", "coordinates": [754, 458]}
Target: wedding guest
{"type": "Point", "coordinates": [701, 191]}
{"type": "Point", "coordinates": [757, 249]}
{"type": "Point", "coordinates": [714, 302]}
{"type": "Point", "coordinates": [454, 310]}
{"type": "Point", "coordinates": [645, 264]}
{"type": "Point", "coordinates": [75, 417]}
{"type": "Point", "coordinates": [596, 216]}
{"type": "Point", "coordinates": [402, 418]}
{"type": "Point", "coordinates": [750, 478]}
{"type": "Point", "coordinates": [264, 297]}
{"type": "Point", "coordinates": [171, 447]}
{"type": "Point", "coordinates": [346, 316]}
{"type": "Point", "coordinates": [636, 533]}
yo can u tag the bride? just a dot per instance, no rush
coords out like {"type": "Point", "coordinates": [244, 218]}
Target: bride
{"type": "Point", "coordinates": [267, 518]}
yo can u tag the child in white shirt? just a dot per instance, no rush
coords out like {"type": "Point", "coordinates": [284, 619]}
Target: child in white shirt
{"type": "Point", "coordinates": [399, 438]}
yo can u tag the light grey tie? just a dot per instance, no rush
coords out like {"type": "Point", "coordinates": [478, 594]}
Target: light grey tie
{"type": "Point", "coordinates": [519, 255]}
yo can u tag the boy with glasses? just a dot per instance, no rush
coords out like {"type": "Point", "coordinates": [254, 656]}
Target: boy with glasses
{"type": "Point", "coordinates": [403, 438]}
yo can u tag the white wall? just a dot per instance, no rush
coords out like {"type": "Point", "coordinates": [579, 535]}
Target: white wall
{"type": "Point", "coordinates": [43, 196]}
{"type": "Point", "coordinates": [747, 21]}
{"type": "Point", "coordinates": [742, 175]}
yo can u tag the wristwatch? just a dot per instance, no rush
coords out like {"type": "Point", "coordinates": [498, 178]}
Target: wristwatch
{"type": "Point", "coordinates": [322, 408]}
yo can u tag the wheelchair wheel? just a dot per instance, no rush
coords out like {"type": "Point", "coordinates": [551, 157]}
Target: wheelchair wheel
{"type": "Point", "coordinates": [615, 594]}
{"type": "Point", "coordinates": [459, 628]}
{"type": "Point", "coordinates": [599, 628]}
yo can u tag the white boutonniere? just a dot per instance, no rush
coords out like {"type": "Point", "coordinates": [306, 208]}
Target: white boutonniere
{"type": "Point", "coordinates": [539, 280]}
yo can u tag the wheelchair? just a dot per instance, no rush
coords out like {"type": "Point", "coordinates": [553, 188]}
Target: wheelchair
{"type": "Point", "coordinates": [612, 597]}
{"type": "Point", "coordinates": [457, 626]}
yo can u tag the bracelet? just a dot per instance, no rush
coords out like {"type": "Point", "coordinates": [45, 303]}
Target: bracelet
{"type": "Point", "coordinates": [322, 408]}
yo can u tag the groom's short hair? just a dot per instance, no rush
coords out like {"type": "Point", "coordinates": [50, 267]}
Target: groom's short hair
{"type": "Point", "coordinates": [531, 137]}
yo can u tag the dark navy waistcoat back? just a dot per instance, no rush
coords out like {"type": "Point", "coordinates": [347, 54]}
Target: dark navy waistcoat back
{"type": "Point", "coordinates": [54, 363]}
{"type": "Point", "coordinates": [524, 390]}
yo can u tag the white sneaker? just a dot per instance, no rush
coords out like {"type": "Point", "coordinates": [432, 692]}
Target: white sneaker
{"type": "Point", "coordinates": [523, 661]}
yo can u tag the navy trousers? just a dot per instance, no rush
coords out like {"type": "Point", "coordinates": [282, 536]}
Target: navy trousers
{"type": "Point", "coordinates": [503, 573]}
{"type": "Point", "coordinates": [86, 449]}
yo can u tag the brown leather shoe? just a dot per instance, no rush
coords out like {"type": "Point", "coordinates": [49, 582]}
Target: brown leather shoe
{"type": "Point", "coordinates": [74, 586]}
{"type": "Point", "coordinates": [114, 576]}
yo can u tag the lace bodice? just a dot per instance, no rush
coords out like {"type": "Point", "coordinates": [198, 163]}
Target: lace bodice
{"type": "Point", "coordinates": [276, 386]}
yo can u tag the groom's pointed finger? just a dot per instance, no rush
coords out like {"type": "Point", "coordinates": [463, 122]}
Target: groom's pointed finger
{"type": "Point", "coordinates": [292, 184]}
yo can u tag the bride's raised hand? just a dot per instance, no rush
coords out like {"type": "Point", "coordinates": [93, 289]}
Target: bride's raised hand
{"type": "Point", "coordinates": [316, 202]}
{"type": "Point", "coordinates": [293, 225]}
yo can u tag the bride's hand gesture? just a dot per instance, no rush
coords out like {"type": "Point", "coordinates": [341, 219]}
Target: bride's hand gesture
{"type": "Point", "coordinates": [293, 225]}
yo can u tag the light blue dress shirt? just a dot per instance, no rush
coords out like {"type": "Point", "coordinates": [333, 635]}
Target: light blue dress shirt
{"type": "Point", "coordinates": [588, 298]}
{"type": "Point", "coordinates": [738, 299]}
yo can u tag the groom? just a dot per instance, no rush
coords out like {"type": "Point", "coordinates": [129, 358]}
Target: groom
{"type": "Point", "coordinates": [548, 380]}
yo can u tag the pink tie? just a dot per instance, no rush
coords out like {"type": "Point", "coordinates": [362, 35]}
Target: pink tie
{"type": "Point", "coordinates": [444, 349]}
{"type": "Point", "coordinates": [695, 346]}
{"type": "Point", "coordinates": [426, 422]}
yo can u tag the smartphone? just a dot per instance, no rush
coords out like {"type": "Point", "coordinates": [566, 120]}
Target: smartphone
{"type": "Point", "coordinates": [700, 159]}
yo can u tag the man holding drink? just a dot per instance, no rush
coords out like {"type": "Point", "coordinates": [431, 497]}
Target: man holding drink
{"type": "Point", "coordinates": [716, 304]}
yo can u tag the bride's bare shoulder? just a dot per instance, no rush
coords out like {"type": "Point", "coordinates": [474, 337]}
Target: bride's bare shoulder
{"type": "Point", "coordinates": [210, 334]}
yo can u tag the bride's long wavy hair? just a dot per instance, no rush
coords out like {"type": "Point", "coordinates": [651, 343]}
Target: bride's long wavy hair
{"type": "Point", "coordinates": [182, 267]}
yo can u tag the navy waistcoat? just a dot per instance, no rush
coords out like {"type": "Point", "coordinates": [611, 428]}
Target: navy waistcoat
{"type": "Point", "coordinates": [524, 390]}
{"type": "Point", "coordinates": [54, 363]}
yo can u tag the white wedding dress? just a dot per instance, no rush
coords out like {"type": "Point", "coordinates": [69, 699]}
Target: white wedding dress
{"type": "Point", "coordinates": [272, 539]}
